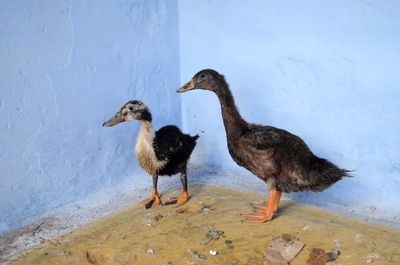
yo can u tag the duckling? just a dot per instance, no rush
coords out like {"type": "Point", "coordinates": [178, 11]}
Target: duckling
{"type": "Point", "coordinates": [165, 152]}
{"type": "Point", "coordinates": [276, 156]}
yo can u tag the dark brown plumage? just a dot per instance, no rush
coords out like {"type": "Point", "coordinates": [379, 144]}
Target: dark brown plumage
{"type": "Point", "coordinates": [272, 154]}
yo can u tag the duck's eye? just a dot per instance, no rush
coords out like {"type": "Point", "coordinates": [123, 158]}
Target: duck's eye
{"type": "Point", "coordinates": [130, 108]}
{"type": "Point", "coordinates": [202, 75]}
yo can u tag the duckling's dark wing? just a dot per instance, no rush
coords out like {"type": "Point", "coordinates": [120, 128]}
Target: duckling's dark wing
{"type": "Point", "coordinates": [167, 141]}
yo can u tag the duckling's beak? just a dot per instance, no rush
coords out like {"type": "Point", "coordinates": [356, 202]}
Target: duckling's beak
{"type": "Point", "coordinates": [113, 121]}
{"type": "Point", "coordinates": [188, 86]}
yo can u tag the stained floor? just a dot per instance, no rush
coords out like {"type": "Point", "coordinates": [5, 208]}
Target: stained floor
{"type": "Point", "coordinates": [168, 235]}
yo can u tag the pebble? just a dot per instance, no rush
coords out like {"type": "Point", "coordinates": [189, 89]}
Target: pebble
{"type": "Point", "coordinates": [158, 217]}
{"type": "Point", "coordinates": [212, 235]}
{"type": "Point", "coordinates": [337, 243]}
{"type": "Point", "coordinates": [357, 238]}
{"type": "Point", "coordinates": [195, 254]}
{"type": "Point", "coordinates": [150, 251]}
{"type": "Point", "coordinates": [229, 243]}
{"type": "Point", "coordinates": [306, 228]}
{"type": "Point", "coordinates": [214, 252]}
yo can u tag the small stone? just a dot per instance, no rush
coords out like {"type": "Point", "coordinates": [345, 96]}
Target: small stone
{"type": "Point", "coordinates": [229, 244]}
{"type": "Point", "coordinates": [357, 238]}
{"type": "Point", "coordinates": [195, 254]}
{"type": "Point", "coordinates": [337, 242]}
{"type": "Point", "coordinates": [214, 252]}
{"type": "Point", "coordinates": [306, 228]}
{"type": "Point", "coordinates": [150, 251]}
{"type": "Point", "coordinates": [375, 256]}
{"type": "Point", "coordinates": [369, 261]}
{"type": "Point", "coordinates": [158, 217]}
{"type": "Point", "coordinates": [318, 256]}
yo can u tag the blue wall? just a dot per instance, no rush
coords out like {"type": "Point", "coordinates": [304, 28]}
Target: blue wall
{"type": "Point", "coordinates": [327, 71]}
{"type": "Point", "coordinates": [66, 67]}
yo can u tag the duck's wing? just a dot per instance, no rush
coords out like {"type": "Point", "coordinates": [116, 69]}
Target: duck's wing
{"type": "Point", "coordinates": [267, 137]}
{"type": "Point", "coordinates": [168, 141]}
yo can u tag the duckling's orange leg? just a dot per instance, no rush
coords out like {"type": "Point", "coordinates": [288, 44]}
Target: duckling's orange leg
{"type": "Point", "coordinates": [154, 200]}
{"type": "Point", "coordinates": [263, 214]}
{"type": "Point", "coordinates": [185, 195]}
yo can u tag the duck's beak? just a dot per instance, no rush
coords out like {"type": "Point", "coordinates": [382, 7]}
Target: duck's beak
{"type": "Point", "coordinates": [113, 121]}
{"type": "Point", "coordinates": [188, 86]}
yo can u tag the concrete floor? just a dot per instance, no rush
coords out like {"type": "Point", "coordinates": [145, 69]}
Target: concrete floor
{"type": "Point", "coordinates": [168, 235]}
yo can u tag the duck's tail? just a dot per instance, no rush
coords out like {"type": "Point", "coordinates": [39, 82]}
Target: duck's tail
{"type": "Point", "coordinates": [323, 174]}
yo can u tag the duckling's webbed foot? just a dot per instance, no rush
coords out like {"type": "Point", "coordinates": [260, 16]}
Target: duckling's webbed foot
{"type": "Point", "coordinates": [154, 200]}
{"type": "Point", "coordinates": [264, 213]}
{"type": "Point", "coordinates": [185, 195]}
{"type": "Point", "coordinates": [182, 199]}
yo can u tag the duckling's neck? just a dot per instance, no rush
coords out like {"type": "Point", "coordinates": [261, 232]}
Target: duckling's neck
{"type": "Point", "coordinates": [145, 149]}
{"type": "Point", "coordinates": [233, 121]}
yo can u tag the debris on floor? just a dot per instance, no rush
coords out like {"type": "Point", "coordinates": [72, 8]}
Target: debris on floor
{"type": "Point", "coordinates": [318, 256]}
{"type": "Point", "coordinates": [229, 244]}
{"type": "Point", "coordinates": [213, 235]}
{"type": "Point", "coordinates": [358, 238]}
{"type": "Point", "coordinates": [177, 238]}
{"type": "Point", "coordinates": [194, 254]}
{"type": "Point", "coordinates": [98, 257]}
{"type": "Point", "coordinates": [213, 252]}
{"type": "Point", "coordinates": [371, 257]}
{"type": "Point", "coordinates": [282, 250]}
{"type": "Point", "coordinates": [150, 251]}
{"type": "Point", "coordinates": [207, 208]}
{"type": "Point", "coordinates": [158, 217]}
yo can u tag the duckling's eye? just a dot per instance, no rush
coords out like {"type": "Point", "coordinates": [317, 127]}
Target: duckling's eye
{"type": "Point", "coordinates": [202, 75]}
{"type": "Point", "coordinates": [130, 108]}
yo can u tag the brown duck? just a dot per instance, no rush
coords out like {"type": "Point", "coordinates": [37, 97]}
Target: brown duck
{"type": "Point", "coordinates": [274, 155]}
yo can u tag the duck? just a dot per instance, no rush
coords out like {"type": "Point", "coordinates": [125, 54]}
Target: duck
{"type": "Point", "coordinates": [165, 152]}
{"type": "Point", "coordinates": [276, 156]}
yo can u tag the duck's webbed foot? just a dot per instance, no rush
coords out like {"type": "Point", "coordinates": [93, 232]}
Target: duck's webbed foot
{"type": "Point", "coordinates": [261, 208]}
{"type": "Point", "coordinates": [264, 213]}
{"type": "Point", "coordinates": [152, 202]}
{"type": "Point", "coordinates": [258, 217]}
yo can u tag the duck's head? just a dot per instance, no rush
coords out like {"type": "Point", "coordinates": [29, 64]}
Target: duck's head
{"type": "Point", "coordinates": [132, 110]}
{"type": "Point", "coordinates": [206, 79]}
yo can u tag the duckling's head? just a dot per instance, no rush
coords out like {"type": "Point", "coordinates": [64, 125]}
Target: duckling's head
{"type": "Point", "coordinates": [132, 110]}
{"type": "Point", "coordinates": [206, 79]}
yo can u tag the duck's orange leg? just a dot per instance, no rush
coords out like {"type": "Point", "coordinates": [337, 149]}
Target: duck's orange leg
{"type": "Point", "coordinates": [277, 200]}
{"type": "Point", "coordinates": [154, 200]}
{"type": "Point", "coordinates": [263, 214]}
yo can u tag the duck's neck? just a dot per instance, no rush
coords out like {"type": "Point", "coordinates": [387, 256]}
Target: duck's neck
{"type": "Point", "coordinates": [233, 121]}
{"type": "Point", "coordinates": [145, 149]}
